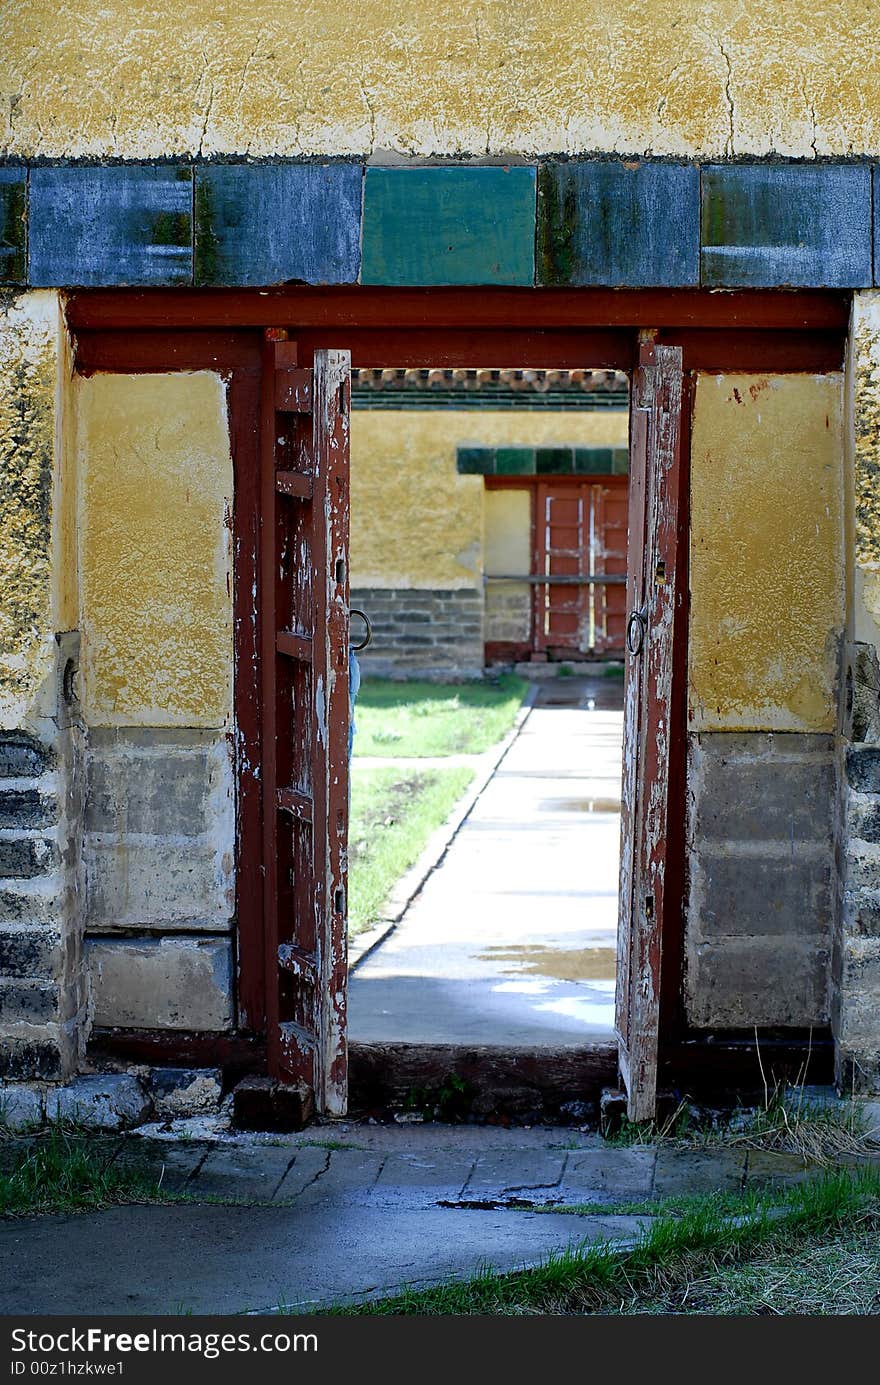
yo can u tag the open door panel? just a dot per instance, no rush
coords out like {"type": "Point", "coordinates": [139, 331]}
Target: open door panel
{"type": "Point", "coordinates": [305, 619]}
{"type": "Point", "coordinates": [653, 598]}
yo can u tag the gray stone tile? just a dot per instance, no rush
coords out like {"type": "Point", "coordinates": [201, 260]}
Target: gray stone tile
{"type": "Point", "coordinates": [276, 223]}
{"type": "Point", "coordinates": [781, 225]}
{"type": "Point", "coordinates": [679, 1173]}
{"type": "Point", "coordinates": [171, 1162]}
{"type": "Point", "coordinates": [768, 1166]}
{"type": "Point", "coordinates": [330, 1176]}
{"type": "Point", "coordinates": [247, 1172]}
{"type": "Point", "coordinates": [515, 1172]}
{"type": "Point", "coordinates": [599, 1175]}
{"type": "Point", "coordinates": [439, 1177]}
{"type": "Point", "coordinates": [96, 225]}
{"type": "Point", "coordinates": [633, 224]}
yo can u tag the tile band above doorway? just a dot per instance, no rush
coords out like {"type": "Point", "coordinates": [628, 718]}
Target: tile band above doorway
{"type": "Point", "coordinates": [628, 223]}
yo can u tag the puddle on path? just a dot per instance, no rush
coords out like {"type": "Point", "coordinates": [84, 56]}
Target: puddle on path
{"type": "Point", "coordinates": [580, 805]}
{"type": "Point", "coordinates": [558, 963]}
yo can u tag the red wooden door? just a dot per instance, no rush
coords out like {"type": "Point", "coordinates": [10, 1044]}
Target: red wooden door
{"type": "Point", "coordinates": [562, 558]}
{"type": "Point", "coordinates": [580, 536]}
{"type": "Point", "coordinates": [609, 560]}
{"type": "Point", "coordinates": [655, 542]}
{"type": "Point", "coordinates": [304, 615]}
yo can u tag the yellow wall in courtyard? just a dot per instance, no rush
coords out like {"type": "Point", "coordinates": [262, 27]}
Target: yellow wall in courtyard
{"type": "Point", "coordinates": [155, 550]}
{"type": "Point", "coordinates": [767, 557]}
{"type": "Point", "coordinates": [414, 521]}
{"type": "Point", "coordinates": [713, 77]}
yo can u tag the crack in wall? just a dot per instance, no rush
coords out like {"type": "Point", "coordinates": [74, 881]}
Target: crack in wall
{"type": "Point", "coordinates": [728, 96]}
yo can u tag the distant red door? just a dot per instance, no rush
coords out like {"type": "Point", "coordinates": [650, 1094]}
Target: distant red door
{"type": "Point", "coordinates": [580, 536]}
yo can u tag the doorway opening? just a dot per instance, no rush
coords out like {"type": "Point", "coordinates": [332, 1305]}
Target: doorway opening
{"type": "Point", "coordinates": [284, 355]}
{"type": "Point", "coordinates": [489, 558]}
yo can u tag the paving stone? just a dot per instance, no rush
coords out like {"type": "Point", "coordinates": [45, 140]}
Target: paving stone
{"type": "Point", "coordinates": [678, 1173]}
{"type": "Point", "coordinates": [331, 1175]}
{"type": "Point", "coordinates": [768, 1166]}
{"type": "Point", "coordinates": [515, 1172]}
{"type": "Point", "coordinates": [777, 225]}
{"type": "Point", "coordinates": [633, 224]}
{"type": "Point", "coordinates": [21, 1106]}
{"type": "Point", "coordinates": [449, 226]}
{"type": "Point", "coordinates": [249, 1172]}
{"type": "Point", "coordinates": [598, 1175]}
{"type": "Point", "coordinates": [172, 1162]}
{"type": "Point", "coordinates": [276, 223]}
{"type": "Point", "coordinates": [105, 1101]}
{"type": "Point", "coordinates": [94, 225]}
{"type": "Point", "coordinates": [13, 230]}
{"type": "Point", "coordinates": [441, 1177]}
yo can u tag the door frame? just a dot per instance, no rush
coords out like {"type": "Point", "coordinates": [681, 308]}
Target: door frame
{"type": "Point", "coordinates": [159, 330]}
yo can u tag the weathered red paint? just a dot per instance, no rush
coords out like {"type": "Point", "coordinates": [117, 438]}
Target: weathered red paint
{"type": "Point", "coordinates": [438, 309]}
{"type": "Point", "coordinates": [305, 503]}
{"type": "Point", "coordinates": [655, 539]}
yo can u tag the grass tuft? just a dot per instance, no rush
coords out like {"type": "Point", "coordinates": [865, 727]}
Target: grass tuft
{"type": "Point", "coordinates": [428, 719]}
{"type": "Point", "coordinates": [393, 814]}
{"type": "Point", "coordinates": [62, 1171]}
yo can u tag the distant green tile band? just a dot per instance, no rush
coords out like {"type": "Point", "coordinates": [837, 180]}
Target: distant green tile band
{"type": "Point", "coordinates": [456, 226]}
{"type": "Point", "coordinates": [542, 461]}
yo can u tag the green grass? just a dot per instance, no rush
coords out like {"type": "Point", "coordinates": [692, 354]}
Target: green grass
{"type": "Point", "coordinates": [393, 813]}
{"type": "Point", "coordinates": [720, 1255]}
{"type": "Point", "coordinates": [419, 719]}
{"type": "Point", "coordinates": [61, 1171]}
{"type": "Point", "coordinates": [789, 1122]}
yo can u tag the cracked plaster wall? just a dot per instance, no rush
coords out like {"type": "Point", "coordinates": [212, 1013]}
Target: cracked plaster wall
{"type": "Point", "coordinates": [715, 78]}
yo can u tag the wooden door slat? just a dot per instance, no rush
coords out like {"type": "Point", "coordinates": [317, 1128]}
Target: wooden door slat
{"type": "Point", "coordinates": [294, 484]}
{"type": "Point", "coordinates": [294, 393]}
{"type": "Point", "coordinates": [299, 805]}
{"type": "Point", "coordinates": [294, 646]}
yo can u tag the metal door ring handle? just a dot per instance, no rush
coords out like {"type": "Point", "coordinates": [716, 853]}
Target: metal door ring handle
{"type": "Point", "coordinates": [368, 630]}
{"type": "Point", "coordinates": [636, 629]}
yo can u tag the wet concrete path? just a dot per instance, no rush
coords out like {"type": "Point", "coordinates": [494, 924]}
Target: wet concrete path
{"type": "Point", "coordinates": [512, 939]}
{"type": "Point", "coordinates": [346, 1211]}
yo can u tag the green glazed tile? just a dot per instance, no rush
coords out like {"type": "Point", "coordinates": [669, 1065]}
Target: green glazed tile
{"type": "Point", "coordinates": [515, 461]}
{"type": "Point", "coordinates": [593, 461]}
{"type": "Point", "coordinates": [554, 461]}
{"type": "Point", "coordinates": [475, 461]}
{"type": "Point", "coordinates": [449, 226]}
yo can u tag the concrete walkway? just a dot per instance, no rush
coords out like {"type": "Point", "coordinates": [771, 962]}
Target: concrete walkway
{"type": "Point", "coordinates": [512, 939]}
{"type": "Point", "coordinates": [344, 1211]}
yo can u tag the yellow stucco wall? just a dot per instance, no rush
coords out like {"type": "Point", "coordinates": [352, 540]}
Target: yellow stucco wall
{"type": "Point", "coordinates": [507, 525]}
{"type": "Point", "coordinates": [37, 496]}
{"type": "Point", "coordinates": [507, 549]}
{"type": "Point", "coordinates": [482, 77]}
{"type": "Point", "coordinates": [767, 559]}
{"type": "Point", "coordinates": [155, 550]}
{"type": "Point", "coordinates": [414, 521]}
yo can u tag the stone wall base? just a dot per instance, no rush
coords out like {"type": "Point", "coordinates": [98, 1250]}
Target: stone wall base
{"type": "Point", "coordinates": [432, 633]}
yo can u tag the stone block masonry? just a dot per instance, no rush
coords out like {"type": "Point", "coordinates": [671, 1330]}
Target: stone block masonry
{"type": "Point", "coordinates": [763, 888]}
{"type": "Point", "coordinates": [159, 851]}
{"type": "Point", "coordinates": [856, 960]}
{"type": "Point", "coordinates": [433, 633]}
{"type": "Point", "coordinates": [43, 996]}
